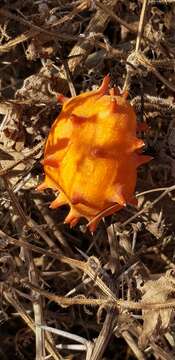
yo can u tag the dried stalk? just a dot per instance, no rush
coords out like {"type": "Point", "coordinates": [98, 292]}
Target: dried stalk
{"type": "Point", "coordinates": [13, 300]}
{"type": "Point", "coordinates": [141, 25]}
{"type": "Point", "coordinates": [105, 335]}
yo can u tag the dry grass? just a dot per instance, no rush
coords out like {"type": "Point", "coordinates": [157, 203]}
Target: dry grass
{"type": "Point", "coordinates": [65, 293]}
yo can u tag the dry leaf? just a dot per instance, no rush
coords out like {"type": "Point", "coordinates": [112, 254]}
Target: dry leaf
{"type": "Point", "coordinates": [5, 155]}
{"type": "Point", "coordinates": [156, 322]}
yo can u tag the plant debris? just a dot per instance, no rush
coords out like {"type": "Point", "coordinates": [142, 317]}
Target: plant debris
{"type": "Point", "coordinates": [67, 293]}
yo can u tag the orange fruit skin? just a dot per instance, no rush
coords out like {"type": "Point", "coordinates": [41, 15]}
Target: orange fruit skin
{"type": "Point", "coordinates": [92, 154]}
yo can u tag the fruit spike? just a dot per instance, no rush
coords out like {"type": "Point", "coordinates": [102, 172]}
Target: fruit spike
{"type": "Point", "coordinates": [104, 88]}
{"type": "Point", "coordinates": [113, 105]}
{"type": "Point", "coordinates": [59, 201]}
{"type": "Point", "coordinates": [61, 98]}
{"type": "Point", "coordinates": [133, 201]}
{"type": "Point", "coordinates": [47, 183]}
{"type": "Point", "coordinates": [137, 144]}
{"type": "Point", "coordinates": [118, 197]}
{"type": "Point", "coordinates": [93, 222]}
{"type": "Point", "coordinates": [143, 159]}
{"type": "Point", "coordinates": [51, 160]}
{"type": "Point", "coordinates": [72, 218]}
{"type": "Point", "coordinates": [114, 91]}
{"type": "Point", "coordinates": [42, 186]}
{"type": "Point", "coordinates": [77, 119]}
{"type": "Point", "coordinates": [125, 94]}
{"type": "Point", "coordinates": [100, 152]}
{"type": "Point", "coordinates": [62, 143]}
{"type": "Point", "coordinates": [105, 152]}
{"type": "Point", "coordinates": [96, 170]}
{"type": "Point", "coordinates": [77, 198]}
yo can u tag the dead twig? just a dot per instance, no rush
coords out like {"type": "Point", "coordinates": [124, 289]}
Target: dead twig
{"type": "Point", "coordinates": [31, 153]}
{"type": "Point", "coordinates": [105, 334]}
{"type": "Point", "coordinates": [109, 11]}
{"type": "Point", "coordinates": [13, 300]}
{"type": "Point", "coordinates": [133, 345]}
{"type": "Point", "coordinates": [141, 25]}
{"type": "Point", "coordinates": [149, 206]}
{"type": "Point", "coordinates": [18, 40]}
